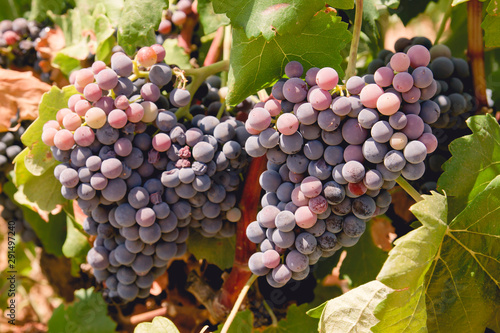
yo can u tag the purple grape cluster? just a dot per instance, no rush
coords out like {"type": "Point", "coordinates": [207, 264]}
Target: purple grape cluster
{"type": "Point", "coordinates": [142, 177]}
{"type": "Point", "coordinates": [332, 155]}
{"type": "Point", "coordinates": [175, 17]}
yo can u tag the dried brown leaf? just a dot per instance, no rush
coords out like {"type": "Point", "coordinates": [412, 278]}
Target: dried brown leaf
{"type": "Point", "coordinates": [51, 43]}
{"type": "Point", "coordinates": [401, 203]}
{"type": "Point", "coordinates": [382, 232]}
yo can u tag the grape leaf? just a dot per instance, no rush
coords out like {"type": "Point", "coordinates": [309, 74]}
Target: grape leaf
{"type": "Point", "coordinates": [158, 325]}
{"type": "Point", "coordinates": [138, 22]}
{"type": "Point", "coordinates": [269, 18]}
{"type": "Point", "coordinates": [39, 158]}
{"type": "Point", "coordinates": [353, 311]}
{"type": "Point", "coordinates": [491, 25]}
{"type": "Point", "coordinates": [174, 54]}
{"type": "Point", "coordinates": [104, 37]}
{"type": "Point", "coordinates": [474, 162]}
{"type": "Point", "coordinates": [404, 310]}
{"type": "Point", "coordinates": [216, 251]}
{"type": "Point", "coordinates": [256, 63]}
{"type": "Point", "coordinates": [364, 260]}
{"type": "Point", "coordinates": [65, 63]}
{"type": "Point", "coordinates": [39, 8]}
{"type": "Point", "coordinates": [409, 9]}
{"type": "Point", "coordinates": [243, 322]}
{"type": "Point", "coordinates": [13, 9]}
{"type": "Point", "coordinates": [112, 8]}
{"type": "Point", "coordinates": [76, 245]}
{"type": "Point", "coordinates": [51, 233]}
{"type": "Point", "coordinates": [342, 4]}
{"type": "Point", "coordinates": [462, 287]}
{"type": "Point", "coordinates": [208, 18]}
{"type": "Point", "coordinates": [88, 314]}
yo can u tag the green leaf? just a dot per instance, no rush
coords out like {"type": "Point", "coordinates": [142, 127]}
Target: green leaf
{"type": "Point", "coordinates": [13, 9]}
{"type": "Point", "coordinates": [462, 286]}
{"type": "Point", "coordinates": [491, 25]}
{"type": "Point", "coordinates": [65, 63]}
{"type": "Point", "coordinates": [138, 22]}
{"type": "Point", "coordinates": [297, 321]}
{"type": "Point", "coordinates": [325, 266]}
{"type": "Point", "coordinates": [76, 245]}
{"type": "Point", "coordinates": [158, 325]}
{"type": "Point", "coordinates": [112, 8]}
{"type": "Point", "coordinates": [39, 159]}
{"type": "Point", "coordinates": [363, 261]}
{"type": "Point", "coordinates": [105, 38]}
{"type": "Point", "coordinates": [256, 63]}
{"type": "Point", "coordinates": [458, 2]}
{"type": "Point", "coordinates": [353, 311]}
{"type": "Point", "coordinates": [174, 54]}
{"type": "Point", "coordinates": [404, 310]}
{"type": "Point", "coordinates": [269, 18]}
{"type": "Point", "coordinates": [371, 14]}
{"type": "Point", "coordinates": [73, 23]}
{"type": "Point", "coordinates": [243, 322]}
{"type": "Point", "coordinates": [39, 8]}
{"type": "Point", "coordinates": [409, 9]}
{"type": "Point", "coordinates": [393, 4]}
{"type": "Point", "coordinates": [342, 4]}
{"type": "Point", "coordinates": [474, 162]}
{"type": "Point", "coordinates": [216, 251]}
{"type": "Point", "coordinates": [88, 314]}
{"type": "Point", "coordinates": [52, 234]}
{"type": "Point", "coordinates": [208, 18]}
{"type": "Point", "coordinates": [317, 311]}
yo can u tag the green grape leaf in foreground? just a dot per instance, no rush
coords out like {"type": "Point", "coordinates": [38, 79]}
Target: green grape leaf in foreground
{"type": "Point", "coordinates": [216, 251]}
{"type": "Point", "coordinates": [256, 63]}
{"type": "Point", "coordinates": [138, 21]}
{"type": "Point", "coordinates": [353, 311]}
{"type": "Point", "coordinates": [268, 18]}
{"type": "Point", "coordinates": [474, 163]}
{"type": "Point", "coordinates": [491, 25]}
{"type": "Point", "coordinates": [209, 20]}
{"type": "Point", "coordinates": [158, 325]}
{"type": "Point", "coordinates": [88, 314]}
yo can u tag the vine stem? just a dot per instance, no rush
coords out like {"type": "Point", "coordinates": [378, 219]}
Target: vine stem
{"type": "Point", "coordinates": [238, 302]}
{"type": "Point", "coordinates": [475, 52]}
{"type": "Point", "coordinates": [226, 51]}
{"type": "Point", "coordinates": [199, 75]}
{"type": "Point", "coordinates": [409, 189]}
{"type": "Point", "coordinates": [446, 16]}
{"type": "Point", "coordinates": [271, 313]}
{"type": "Point", "coordinates": [353, 53]}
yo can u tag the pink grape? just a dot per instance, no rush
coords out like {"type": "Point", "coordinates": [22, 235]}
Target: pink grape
{"type": "Point", "coordinates": [95, 118]}
{"type": "Point", "coordinates": [121, 102]}
{"type": "Point", "coordinates": [318, 205]}
{"type": "Point", "coordinates": [311, 186]}
{"type": "Point", "coordinates": [81, 107]}
{"type": "Point", "coordinates": [320, 99]}
{"type": "Point", "coordinates": [72, 121]}
{"type": "Point", "coordinates": [135, 112]}
{"type": "Point", "coordinates": [161, 142]}
{"type": "Point", "coordinates": [412, 95]}
{"type": "Point", "coordinates": [402, 82]}
{"type": "Point", "coordinates": [179, 18]}
{"type": "Point", "coordinates": [185, 6]}
{"type": "Point", "coordinates": [298, 197]}
{"type": "Point", "coordinates": [63, 139]}
{"type": "Point", "coordinates": [305, 218]}
{"type": "Point", "coordinates": [287, 124]}
{"type": "Point", "coordinates": [357, 189]}
{"type": "Point", "coordinates": [259, 119]}
{"type": "Point", "coordinates": [160, 52]}
{"type": "Point", "coordinates": [51, 124]}
{"type": "Point", "coordinates": [107, 79]}
{"type": "Point", "coordinates": [273, 106]}
{"type": "Point", "coordinates": [327, 78]}
{"type": "Point", "coordinates": [117, 118]}
{"type": "Point", "coordinates": [146, 57]}
{"type": "Point", "coordinates": [311, 76]}
{"type": "Point", "coordinates": [84, 136]}
{"type": "Point", "coordinates": [84, 77]}
{"type": "Point", "coordinates": [414, 127]}
{"type": "Point", "coordinates": [73, 100]}
{"type": "Point", "coordinates": [419, 56]}
{"type": "Point", "coordinates": [430, 142]}
{"type": "Point", "coordinates": [369, 95]}
{"type": "Point", "coordinates": [250, 129]}
{"type": "Point", "coordinates": [271, 258]}
{"type": "Point", "coordinates": [400, 62]}
{"type": "Point", "coordinates": [92, 92]}
{"type": "Point", "coordinates": [165, 27]}
{"type": "Point", "coordinates": [48, 136]}
{"type": "Point", "coordinates": [61, 114]}
{"type": "Point", "coordinates": [388, 104]}
{"type": "Point", "coordinates": [383, 76]}
{"type": "Point", "coordinates": [79, 88]}
{"type": "Point", "coordinates": [98, 66]}
{"type": "Point", "coordinates": [150, 92]}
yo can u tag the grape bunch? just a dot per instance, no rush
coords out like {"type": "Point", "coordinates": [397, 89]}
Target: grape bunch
{"type": "Point", "coordinates": [12, 212]}
{"type": "Point", "coordinates": [176, 17]}
{"type": "Point", "coordinates": [332, 155]}
{"type": "Point", "coordinates": [10, 147]}
{"type": "Point", "coordinates": [142, 177]}
{"type": "Point", "coordinates": [18, 41]}
{"type": "Point", "coordinates": [453, 96]}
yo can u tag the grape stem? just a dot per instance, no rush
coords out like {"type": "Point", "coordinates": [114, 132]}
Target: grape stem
{"type": "Point", "coordinates": [199, 75]}
{"type": "Point", "coordinates": [446, 16]}
{"type": "Point", "coordinates": [353, 53]}
{"type": "Point", "coordinates": [409, 189]}
{"type": "Point", "coordinates": [237, 305]}
{"type": "Point", "coordinates": [271, 314]}
{"type": "Point", "coordinates": [226, 51]}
